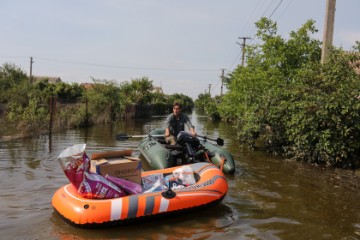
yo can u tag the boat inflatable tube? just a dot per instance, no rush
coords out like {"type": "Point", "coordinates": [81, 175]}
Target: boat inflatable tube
{"type": "Point", "coordinates": [160, 155]}
{"type": "Point", "coordinates": [210, 187]}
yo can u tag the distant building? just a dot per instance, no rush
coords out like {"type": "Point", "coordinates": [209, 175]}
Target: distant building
{"type": "Point", "coordinates": [87, 86]}
{"type": "Point", "coordinates": [157, 90]}
{"type": "Point", "coordinates": [36, 79]}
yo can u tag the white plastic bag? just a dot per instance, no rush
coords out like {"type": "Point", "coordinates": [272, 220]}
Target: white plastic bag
{"type": "Point", "coordinates": [154, 183]}
{"type": "Point", "coordinates": [184, 175]}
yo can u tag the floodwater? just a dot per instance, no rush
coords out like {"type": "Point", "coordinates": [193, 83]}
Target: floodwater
{"type": "Point", "coordinates": [268, 198]}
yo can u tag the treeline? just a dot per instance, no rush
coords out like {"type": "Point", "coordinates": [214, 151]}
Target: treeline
{"type": "Point", "coordinates": [29, 108]}
{"type": "Point", "coordinates": [286, 101]}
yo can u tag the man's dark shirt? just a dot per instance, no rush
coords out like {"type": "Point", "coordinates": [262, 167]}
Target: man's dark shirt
{"type": "Point", "coordinates": [177, 125]}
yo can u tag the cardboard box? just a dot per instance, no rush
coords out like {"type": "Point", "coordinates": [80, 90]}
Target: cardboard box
{"type": "Point", "coordinates": [118, 164]}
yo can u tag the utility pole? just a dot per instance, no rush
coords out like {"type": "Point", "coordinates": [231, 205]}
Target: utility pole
{"type": "Point", "coordinates": [328, 29]}
{"type": "Point", "coordinates": [243, 44]}
{"type": "Point", "coordinates": [222, 81]}
{"type": "Point", "coordinates": [209, 88]}
{"type": "Point", "coordinates": [31, 62]}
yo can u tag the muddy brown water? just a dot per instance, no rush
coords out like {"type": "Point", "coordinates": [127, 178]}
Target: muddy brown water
{"type": "Point", "coordinates": [268, 198]}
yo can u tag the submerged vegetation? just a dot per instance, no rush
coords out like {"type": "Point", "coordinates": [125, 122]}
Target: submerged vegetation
{"type": "Point", "coordinates": [30, 109]}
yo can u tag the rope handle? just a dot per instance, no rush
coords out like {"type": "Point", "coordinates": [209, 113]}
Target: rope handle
{"type": "Point", "coordinates": [222, 160]}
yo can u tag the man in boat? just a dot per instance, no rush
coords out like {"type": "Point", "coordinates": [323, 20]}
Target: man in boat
{"type": "Point", "coordinates": [175, 123]}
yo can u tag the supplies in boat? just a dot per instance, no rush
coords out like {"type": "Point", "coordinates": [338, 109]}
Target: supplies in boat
{"type": "Point", "coordinates": [163, 192]}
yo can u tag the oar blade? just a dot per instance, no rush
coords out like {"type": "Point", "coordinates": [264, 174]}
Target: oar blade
{"type": "Point", "coordinates": [220, 141]}
{"type": "Point", "coordinates": [122, 137]}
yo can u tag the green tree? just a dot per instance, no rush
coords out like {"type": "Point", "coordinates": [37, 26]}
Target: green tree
{"type": "Point", "coordinates": [11, 77]}
{"type": "Point", "coordinates": [68, 91]}
{"type": "Point", "coordinates": [184, 100]}
{"type": "Point", "coordinates": [285, 100]}
{"type": "Point", "coordinates": [138, 91]}
{"type": "Point", "coordinates": [323, 124]}
{"type": "Point", "coordinates": [201, 101]}
{"type": "Point", "coordinates": [104, 101]}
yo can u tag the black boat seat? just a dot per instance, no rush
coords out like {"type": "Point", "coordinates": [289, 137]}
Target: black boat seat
{"type": "Point", "coordinates": [174, 147]}
{"type": "Point", "coordinates": [175, 152]}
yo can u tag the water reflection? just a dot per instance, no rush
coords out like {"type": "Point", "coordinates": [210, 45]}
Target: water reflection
{"type": "Point", "coordinates": [268, 198]}
{"type": "Point", "coordinates": [189, 226]}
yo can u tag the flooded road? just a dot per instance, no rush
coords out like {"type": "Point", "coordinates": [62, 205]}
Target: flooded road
{"type": "Point", "coordinates": [268, 198]}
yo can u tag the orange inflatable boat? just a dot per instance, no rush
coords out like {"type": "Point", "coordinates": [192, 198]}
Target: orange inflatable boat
{"type": "Point", "coordinates": [210, 187]}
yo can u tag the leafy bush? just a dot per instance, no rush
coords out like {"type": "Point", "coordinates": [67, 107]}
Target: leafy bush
{"type": "Point", "coordinates": [103, 101]}
{"type": "Point", "coordinates": [10, 78]}
{"type": "Point", "coordinates": [208, 105]}
{"type": "Point", "coordinates": [324, 119]}
{"type": "Point", "coordinates": [31, 119]}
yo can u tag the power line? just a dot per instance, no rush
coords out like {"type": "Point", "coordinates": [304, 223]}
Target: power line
{"type": "Point", "coordinates": [252, 14]}
{"type": "Point", "coordinates": [134, 68]}
{"type": "Point", "coordinates": [127, 67]}
{"type": "Point", "coordinates": [268, 7]}
{"type": "Point", "coordinates": [13, 56]}
{"type": "Point", "coordinates": [275, 8]}
{"type": "Point", "coordinates": [235, 60]}
{"type": "Point", "coordinates": [284, 10]}
{"type": "Point", "coordinates": [255, 10]}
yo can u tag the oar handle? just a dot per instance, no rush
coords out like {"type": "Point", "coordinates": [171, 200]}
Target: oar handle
{"type": "Point", "coordinates": [219, 141]}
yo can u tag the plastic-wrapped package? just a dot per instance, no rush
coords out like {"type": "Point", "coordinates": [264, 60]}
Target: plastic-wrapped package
{"type": "Point", "coordinates": [76, 164]}
{"type": "Point", "coordinates": [72, 163]}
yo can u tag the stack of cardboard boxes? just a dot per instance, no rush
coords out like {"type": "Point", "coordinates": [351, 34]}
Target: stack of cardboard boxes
{"type": "Point", "coordinates": [118, 164]}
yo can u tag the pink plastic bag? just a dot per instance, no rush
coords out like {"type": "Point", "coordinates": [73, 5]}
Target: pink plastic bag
{"type": "Point", "coordinates": [76, 164]}
{"type": "Point", "coordinates": [128, 186]}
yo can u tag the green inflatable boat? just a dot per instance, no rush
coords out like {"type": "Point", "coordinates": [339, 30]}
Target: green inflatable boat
{"type": "Point", "coordinates": [188, 150]}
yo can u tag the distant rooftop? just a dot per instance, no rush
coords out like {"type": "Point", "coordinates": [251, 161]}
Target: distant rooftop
{"type": "Point", "coordinates": [87, 86]}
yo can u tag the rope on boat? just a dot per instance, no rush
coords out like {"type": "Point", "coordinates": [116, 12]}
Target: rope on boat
{"type": "Point", "coordinates": [222, 160]}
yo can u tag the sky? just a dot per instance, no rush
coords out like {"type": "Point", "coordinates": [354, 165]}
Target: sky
{"type": "Point", "coordinates": [180, 45]}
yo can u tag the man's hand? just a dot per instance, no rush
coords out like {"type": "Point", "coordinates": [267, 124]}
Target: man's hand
{"type": "Point", "coordinates": [167, 132]}
{"type": "Point", "coordinates": [192, 132]}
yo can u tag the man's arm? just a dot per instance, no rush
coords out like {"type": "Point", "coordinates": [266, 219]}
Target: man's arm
{"type": "Point", "coordinates": [167, 132]}
{"type": "Point", "coordinates": [190, 126]}
{"type": "Point", "coordinates": [167, 126]}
